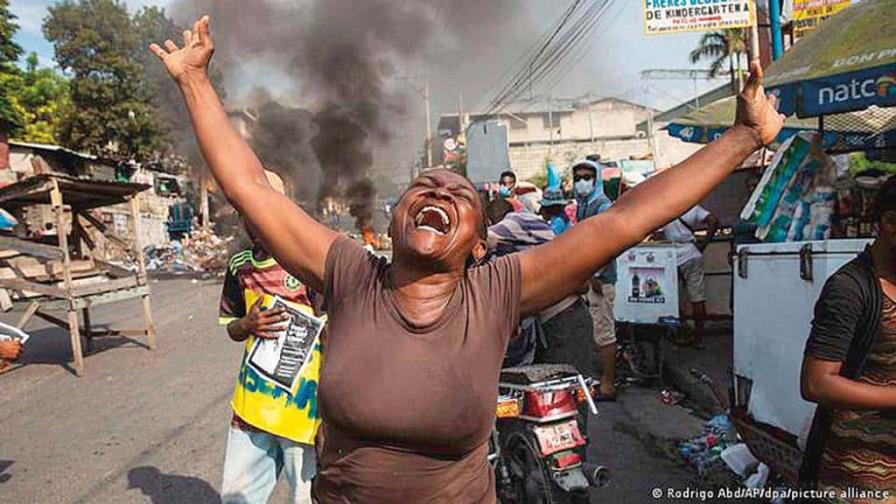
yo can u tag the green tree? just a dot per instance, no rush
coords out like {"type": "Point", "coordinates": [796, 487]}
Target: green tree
{"type": "Point", "coordinates": [40, 98]}
{"type": "Point", "coordinates": [9, 50]}
{"type": "Point", "coordinates": [721, 47]}
{"type": "Point", "coordinates": [112, 113]}
{"type": "Point", "coordinates": [9, 54]}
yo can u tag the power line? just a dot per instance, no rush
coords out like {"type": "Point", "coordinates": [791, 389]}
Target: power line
{"type": "Point", "coordinates": [567, 64]}
{"type": "Point", "coordinates": [530, 57]}
{"type": "Point", "coordinates": [583, 51]}
{"type": "Point", "coordinates": [557, 54]}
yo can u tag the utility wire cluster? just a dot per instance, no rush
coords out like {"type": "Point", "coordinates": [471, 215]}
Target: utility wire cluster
{"type": "Point", "coordinates": [554, 54]}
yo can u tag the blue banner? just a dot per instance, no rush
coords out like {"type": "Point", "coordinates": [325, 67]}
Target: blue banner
{"type": "Point", "coordinates": [838, 141]}
{"type": "Point", "coordinates": [839, 93]}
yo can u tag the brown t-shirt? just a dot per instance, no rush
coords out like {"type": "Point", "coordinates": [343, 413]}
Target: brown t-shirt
{"type": "Point", "coordinates": [408, 410]}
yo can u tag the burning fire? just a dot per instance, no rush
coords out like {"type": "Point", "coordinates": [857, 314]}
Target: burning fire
{"type": "Point", "coordinates": [370, 238]}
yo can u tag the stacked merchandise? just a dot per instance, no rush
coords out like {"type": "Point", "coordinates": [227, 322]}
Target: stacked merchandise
{"type": "Point", "coordinates": [796, 199]}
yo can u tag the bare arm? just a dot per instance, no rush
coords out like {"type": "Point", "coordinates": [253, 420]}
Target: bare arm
{"type": "Point", "coordinates": [576, 254]}
{"type": "Point", "coordinates": [295, 239]}
{"type": "Point", "coordinates": [712, 228]}
{"type": "Point", "coordinates": [821, 383]}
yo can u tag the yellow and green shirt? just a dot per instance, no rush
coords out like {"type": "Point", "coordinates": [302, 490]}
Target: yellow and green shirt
{"type": "Point", "coordinates": [256, 401]}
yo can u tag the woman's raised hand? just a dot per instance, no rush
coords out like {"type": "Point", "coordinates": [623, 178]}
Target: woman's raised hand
{"type": "Point", "coordinates": [191, 60]}
{"type": "Point", "coordinates": [757, 111]}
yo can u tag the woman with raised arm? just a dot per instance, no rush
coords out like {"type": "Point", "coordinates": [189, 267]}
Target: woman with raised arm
{"type": "Point", "coordinates": [410, 376]}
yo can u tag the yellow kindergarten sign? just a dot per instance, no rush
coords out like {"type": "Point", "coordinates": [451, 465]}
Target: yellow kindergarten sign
{"type": "Point", "coordinates": [675, 16]}
{"type": "Point", "coordinates": [808, 13]}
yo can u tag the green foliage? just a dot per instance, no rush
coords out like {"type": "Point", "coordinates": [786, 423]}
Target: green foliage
{"type": "Point", "coordinates": [9, 53]}
{"type": "Point", "coordinates": [112, 113]}
{"type": "Point", "coordinates": [721, 47]}
{"type": "Point", "coordinates": [859, 162]}
{"type": "Point", "coordinates": [39, 99]}
{"type": "Point", "coordinates": [9, 50]}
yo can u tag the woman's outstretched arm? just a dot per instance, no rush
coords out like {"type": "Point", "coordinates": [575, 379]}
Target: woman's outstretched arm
{"type": "Point", "coordinates": [556, 269]}
{"type": "Point", "coordinates": [295, 239]}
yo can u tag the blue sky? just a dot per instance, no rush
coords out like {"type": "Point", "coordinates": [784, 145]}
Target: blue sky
{"type": "Point", "coordinates": [614, 60]}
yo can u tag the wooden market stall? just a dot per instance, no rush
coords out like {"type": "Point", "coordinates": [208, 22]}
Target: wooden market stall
{"type": "Point", "coordinates": [70, 275]}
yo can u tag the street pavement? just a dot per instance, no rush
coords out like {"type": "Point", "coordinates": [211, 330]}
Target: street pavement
{"type": "Point", "coordinates": [150, 426]}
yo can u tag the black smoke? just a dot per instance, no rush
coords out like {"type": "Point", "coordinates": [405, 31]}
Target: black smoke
{"type": "Point", "coordinates": [354, 69]}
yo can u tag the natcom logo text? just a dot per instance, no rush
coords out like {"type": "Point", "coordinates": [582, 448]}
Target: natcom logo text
{"type": "Point", "coordinates": [858, 89]}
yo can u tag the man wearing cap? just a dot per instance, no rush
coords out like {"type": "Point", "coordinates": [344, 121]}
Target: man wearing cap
{"type": "Point", "coordinates": [553, 209]}
{"type": "Point", "coordinates": [591, 201]}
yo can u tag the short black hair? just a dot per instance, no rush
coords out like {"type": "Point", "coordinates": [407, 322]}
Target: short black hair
{"type": "Point", "coordinates": [497, 209]}
{"type": "Point", "coordinates": [508, 173]}
{"type": "Point", "coordinates": [886, 199]}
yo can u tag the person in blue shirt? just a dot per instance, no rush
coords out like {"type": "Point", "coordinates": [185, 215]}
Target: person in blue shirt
{"type": "Point", "coordinates": [591, 201]}
{"type": "Point", "coordinates": [553, 210]}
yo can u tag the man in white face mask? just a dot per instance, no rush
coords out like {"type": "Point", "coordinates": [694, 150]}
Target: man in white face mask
{"type": "Point", "coordinates": [591, 200]}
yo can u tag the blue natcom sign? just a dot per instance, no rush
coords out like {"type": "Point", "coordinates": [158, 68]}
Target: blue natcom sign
{"type": "Point", "coordinates": [841, 141]}
{"type": "Point", "coordinates": [840, 93]}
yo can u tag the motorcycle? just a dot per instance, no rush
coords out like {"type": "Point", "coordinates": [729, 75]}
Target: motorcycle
{"type": "Point", "coordinates": [538, 445]}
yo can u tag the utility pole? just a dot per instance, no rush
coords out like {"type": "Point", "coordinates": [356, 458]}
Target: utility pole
{"type": "Point", "coordinates": [551, 122]}
{"type": "Point", "coordinates": [753, 52]}
{"type": "Point", "coordinates": [651, 141]}
{"type": "Point", "coordinates": [590, 123]}
{"type": "Point", "coordinates": [460, 114]}
{"type": "Point", "coordinates": [424, 90]}
{"type": "Point", "coordinates": [428, 137]}
{"type": "Point", "coordinates": [774, 18]}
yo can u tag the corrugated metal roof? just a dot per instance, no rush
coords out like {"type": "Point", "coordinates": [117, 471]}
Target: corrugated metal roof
{"type": "Point", "coordinates": [77, 192]}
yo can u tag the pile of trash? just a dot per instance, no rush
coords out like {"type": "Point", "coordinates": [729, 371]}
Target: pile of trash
{"type": "Point", "coordinates": [704, 452]}
{"type": "Point", "coordinates": [201, 251]}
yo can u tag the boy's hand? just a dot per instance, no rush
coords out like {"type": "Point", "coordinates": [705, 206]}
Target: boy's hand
{"type": "Point", "coordinates": [265, 323]}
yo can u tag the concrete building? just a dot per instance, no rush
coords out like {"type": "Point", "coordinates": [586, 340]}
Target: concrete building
{"type": "Point", "coordinates": [607, 127]}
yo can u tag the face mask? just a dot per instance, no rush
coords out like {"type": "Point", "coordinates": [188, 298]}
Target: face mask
{"type": "Point", "coordinates": [504, 191]}
{"type": "Point", "coordinates": [584, 187]}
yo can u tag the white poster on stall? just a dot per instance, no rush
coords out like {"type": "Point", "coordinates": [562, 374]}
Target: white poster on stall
{"type": "Point", "coordinates": [675, 16]}
{"type": "Point", "coordinates": [647, 285]}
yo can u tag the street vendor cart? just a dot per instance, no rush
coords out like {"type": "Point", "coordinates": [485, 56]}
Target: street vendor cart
{"type": "Point", "coordinates": [71, 275]}
{"type": "Point", "coordinates": [809, 223]}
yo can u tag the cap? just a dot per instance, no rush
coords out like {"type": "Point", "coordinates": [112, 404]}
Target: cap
{"type": "Point", "coordinates": [554, 196]}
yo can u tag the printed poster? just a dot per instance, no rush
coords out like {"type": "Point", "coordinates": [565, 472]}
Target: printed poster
{"type": "Point", "coordinates": [647, 285]}
{"type": "Point", "coordinates": [676, 16]}
{"type": "Point", "coordinates": [281, 360]}
{"type": "Point", "coordinates": [807, 14]}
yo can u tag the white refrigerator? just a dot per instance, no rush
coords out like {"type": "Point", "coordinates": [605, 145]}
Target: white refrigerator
{"type": "Point", "coordinates": [775, 289]}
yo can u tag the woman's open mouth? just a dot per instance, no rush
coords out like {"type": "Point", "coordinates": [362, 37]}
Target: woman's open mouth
{"type": "Point", "coordinates": [434, 219]}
